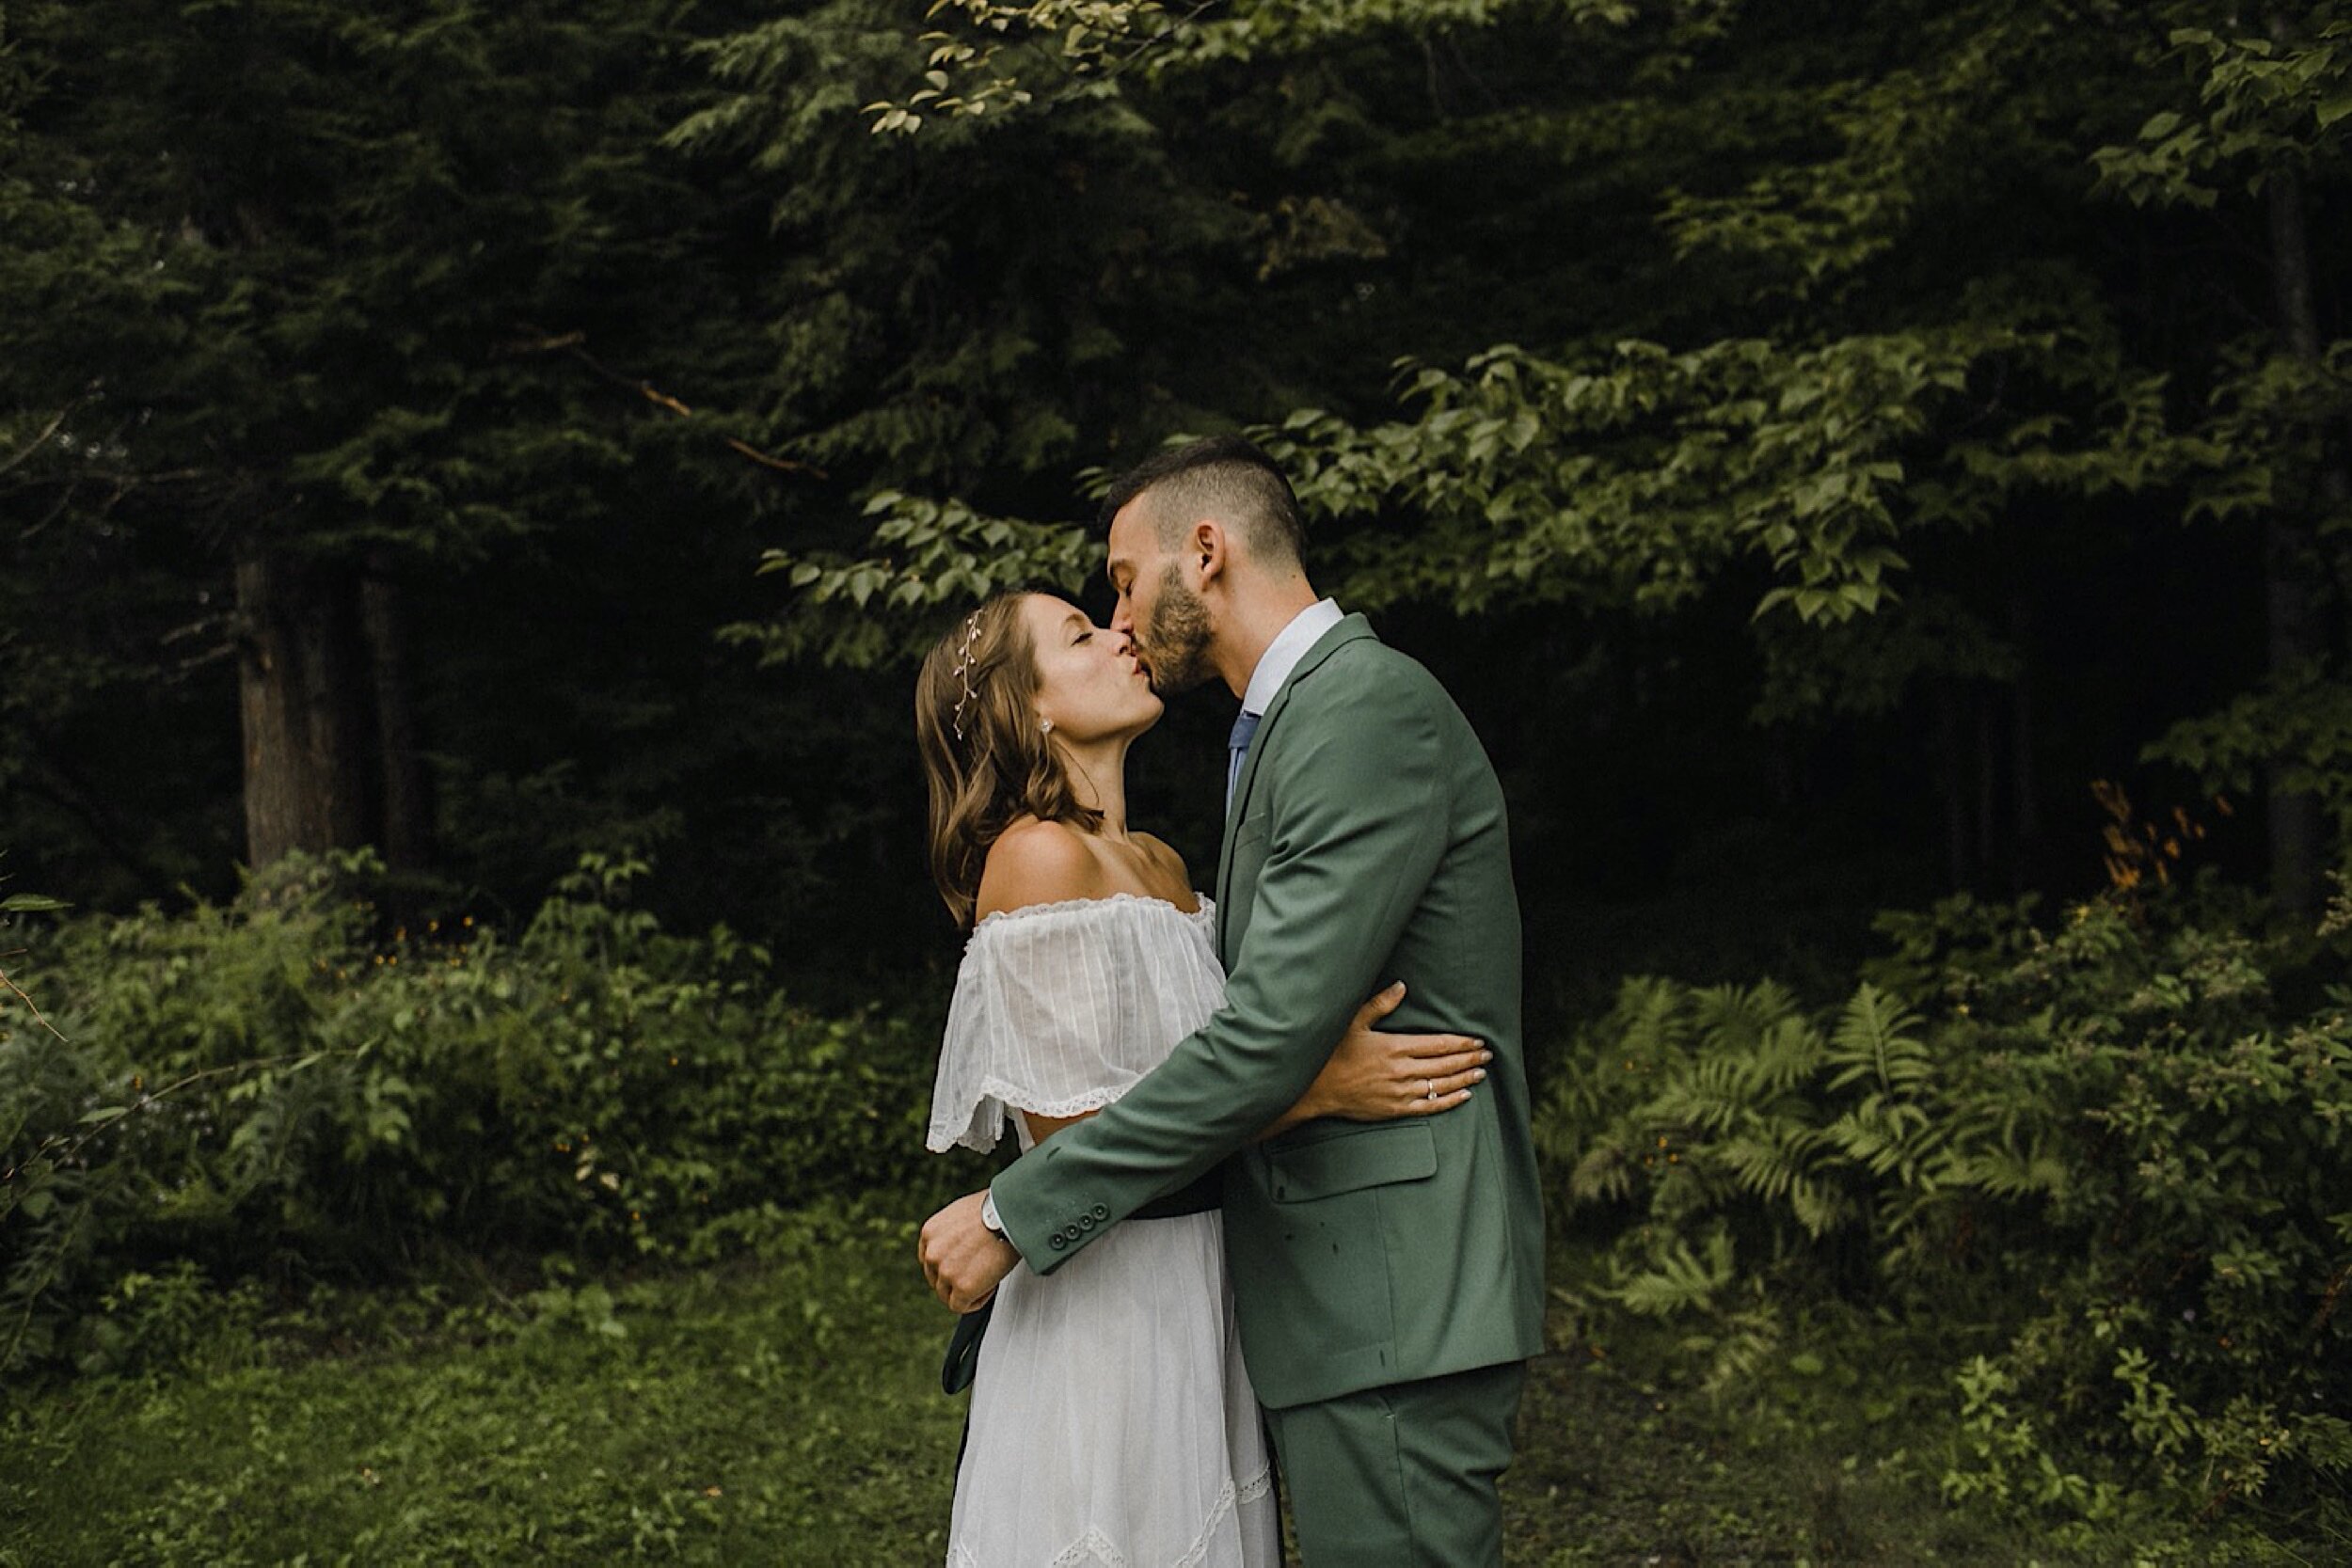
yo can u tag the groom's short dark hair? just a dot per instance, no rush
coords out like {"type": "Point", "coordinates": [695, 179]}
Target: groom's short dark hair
{"type": "Point", "coordinates": [1224, 475]}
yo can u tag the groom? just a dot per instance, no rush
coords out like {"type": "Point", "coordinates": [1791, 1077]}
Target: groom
{"type": "Point", "coordinates": [1388, 1277]}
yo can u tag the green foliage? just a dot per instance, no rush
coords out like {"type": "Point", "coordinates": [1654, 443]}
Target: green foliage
{"type": "Point", "coordinates": [172, 1321]}
{"type": "Point", "coordinates": [1641, 476]}
{"type": "Point", "coordinates": [1083, 47]}
{"type": "Point", "coordinates": [247, 1084]}
{"type": "Point", "coordinates": [2111, 1158]}
{"type": "Point", "coordinates": [1813, 429]}
{"type": "Point", "coordinates": [426, 296]}
{"type": "Point", "coordinates": [943, 553]}
{"type": "Point", "coordinates": [2296, 728]}
{"type": "Point", "coordinates": [356, 302]}
{"type": "Point", "coordinates": [2264, 104]}
{"type": "Point", "coordinates": [783, 1408]}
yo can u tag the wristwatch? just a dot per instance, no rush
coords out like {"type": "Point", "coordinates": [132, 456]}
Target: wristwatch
{"type": "Point", "coordinates": [988, 1216]}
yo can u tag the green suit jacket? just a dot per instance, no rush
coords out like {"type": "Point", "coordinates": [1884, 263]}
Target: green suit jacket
{"type": "Point", "coordinates": [1367, 842]}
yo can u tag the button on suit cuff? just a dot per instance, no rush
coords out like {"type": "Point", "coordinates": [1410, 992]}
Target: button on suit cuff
{"type": "Point", "coordinates": [1028, 1225]}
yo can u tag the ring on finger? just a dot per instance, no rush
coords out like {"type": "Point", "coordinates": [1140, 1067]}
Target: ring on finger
{"type": "Point", "coordinates": [1428, 1088]}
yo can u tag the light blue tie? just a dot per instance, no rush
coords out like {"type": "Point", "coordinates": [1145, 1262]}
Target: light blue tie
{"type": "Point", "coordinates": [1237, 748]}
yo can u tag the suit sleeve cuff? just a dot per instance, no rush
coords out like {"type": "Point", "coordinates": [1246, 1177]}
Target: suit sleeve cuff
{"type": "Point", "coordinates": [1024, 1199]}
{"type": "Point", "coordinates": [989, 1219]}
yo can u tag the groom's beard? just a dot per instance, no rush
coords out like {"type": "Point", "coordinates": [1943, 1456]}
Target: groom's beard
{"type": "Point", "coordinates": [1175, 645]}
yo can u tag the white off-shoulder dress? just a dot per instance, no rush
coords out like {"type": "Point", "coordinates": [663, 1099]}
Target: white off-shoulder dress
{"type": "Point", "coordinates": [1111, 1420]}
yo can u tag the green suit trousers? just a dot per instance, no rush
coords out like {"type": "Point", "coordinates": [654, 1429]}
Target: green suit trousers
{"type": "Point", "coordinates": [1402, 1476]}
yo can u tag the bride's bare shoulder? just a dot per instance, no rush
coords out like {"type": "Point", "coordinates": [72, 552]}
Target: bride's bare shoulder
{"type": "Point", "coordinates": [1165, 858]}
{"type": "Point", "coordinates": [1038, 863]}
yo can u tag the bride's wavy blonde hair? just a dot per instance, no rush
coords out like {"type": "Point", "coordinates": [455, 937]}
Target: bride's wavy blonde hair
{"type": "Point", "coordinates": [985, 756]}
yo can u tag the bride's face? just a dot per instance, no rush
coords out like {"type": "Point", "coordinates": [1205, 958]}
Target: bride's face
{"type": "Point", "coordinates": [1088, 681]}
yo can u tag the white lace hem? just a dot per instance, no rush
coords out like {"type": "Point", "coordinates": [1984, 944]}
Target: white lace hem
{"type": "Point", "coordinates": [943, 1137]}
{"type": "Point", "coordinates": [1096, 1547]}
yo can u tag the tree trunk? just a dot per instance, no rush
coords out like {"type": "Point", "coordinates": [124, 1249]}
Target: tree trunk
{"type": "Point", "coordinates": [2291, 562]}
{"type": "Point", "coordinates": [2025, 815]}
{"type": "Point", "coordinates": [1988, 787]}
{"type": "Point", "coordinates": [1948, 756]}
{"type": "Point", "coordinates": [295, 691]}
{"type": "Point", "coordinates": [406, 821]}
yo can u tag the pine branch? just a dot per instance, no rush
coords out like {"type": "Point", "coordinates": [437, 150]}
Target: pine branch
{"type": "Point", "coordinates": [575, 343]}
{"type": "Point", "coordinates": [24, 455]}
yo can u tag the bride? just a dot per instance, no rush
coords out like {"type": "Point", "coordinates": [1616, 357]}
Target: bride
{"type": "Point", "coordinates": [1111, 1420]}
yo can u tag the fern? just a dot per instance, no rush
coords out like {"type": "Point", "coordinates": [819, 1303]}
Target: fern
{"type": "Point", "coordinates": [1898, 1141]}
{"type": "Point", "coordinates": [1785, 1056]}
{"type": "Point", "coordinates": [1874, 1037]}
{"type": "Point", "coordinates": [1648, 1023]}
{"type": "Point", "coordinates": [1732, 1020]}
{"type": "Point", "coordinates": [1737, 1350]}
{"type": "Point", "coordinates": [2119, 1114]}
{"type": "Point", "coordinates": [1774, 1160]}
{"type": "Point", "coordinates": [1604, 1174]}
{"type": "Point", "coordinates": [1713, 1096]}
{"type": "Point", "coordinates": [2008, 1173]}
{"type": "Point", "coordinates": [1677, 1278]}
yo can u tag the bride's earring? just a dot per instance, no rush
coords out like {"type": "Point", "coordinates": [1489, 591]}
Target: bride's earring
{"type": "Point", "coordinates": [1046, 727]}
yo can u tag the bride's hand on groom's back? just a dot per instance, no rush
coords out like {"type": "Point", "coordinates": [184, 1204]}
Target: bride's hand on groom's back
{"type": "Point", "coordinates": [1378, 1077]}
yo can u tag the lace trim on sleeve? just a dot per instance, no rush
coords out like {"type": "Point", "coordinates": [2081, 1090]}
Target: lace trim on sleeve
{"type": "Point", "coordinates": [1059, 1009]}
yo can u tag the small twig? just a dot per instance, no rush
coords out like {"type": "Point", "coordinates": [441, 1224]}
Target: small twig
{"type": "Point", "coordinates": [575, 344]}
{"type": "Point", "coordinates": [1145, 46]}
{"type": "Point", "coordinates": [782, 465]}
{"type": "Point", "coordinates": [508, 1302]}
{"type": "Point", "coordinates": [127, 479]}
{"type": "Point", "coordinates": [29, 1004]}
{"type": "Point", "coordinates": [2328, 1301]}
{"type": "Point", "coordinates": [24, 454]}
{"type": "Point", "coordinates": [61, 1148]}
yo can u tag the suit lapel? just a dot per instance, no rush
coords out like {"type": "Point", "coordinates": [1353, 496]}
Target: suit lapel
{"type": "Point", "coordinates": [1350, 629]}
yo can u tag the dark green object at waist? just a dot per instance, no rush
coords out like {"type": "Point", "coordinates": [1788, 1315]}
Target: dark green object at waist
{"type": "Point", "coordinates": [1198, 1197]}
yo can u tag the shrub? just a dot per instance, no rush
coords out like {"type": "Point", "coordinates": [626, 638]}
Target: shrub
{"type": "Point", "coordinates": [2111, 1158]}
{"type": "Point", "coordinates": [263, 1088]}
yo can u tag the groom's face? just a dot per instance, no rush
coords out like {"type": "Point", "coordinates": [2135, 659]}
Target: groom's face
{"type": "Point", "coordinates": [1157, 608]}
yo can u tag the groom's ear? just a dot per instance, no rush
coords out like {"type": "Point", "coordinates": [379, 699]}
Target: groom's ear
{"type": "Point", "coordinates": [1208, 548]}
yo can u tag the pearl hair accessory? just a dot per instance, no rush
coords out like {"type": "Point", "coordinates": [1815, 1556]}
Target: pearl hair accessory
{"type": "Point", "coordinates": [963, 669]}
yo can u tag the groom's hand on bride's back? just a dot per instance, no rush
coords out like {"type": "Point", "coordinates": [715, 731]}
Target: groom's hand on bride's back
{"type": "Point", "coordinates": [963, 1259]}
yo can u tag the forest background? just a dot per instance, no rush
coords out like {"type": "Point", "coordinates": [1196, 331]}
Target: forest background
{"type": "Point", "coordinates": [472, 478]}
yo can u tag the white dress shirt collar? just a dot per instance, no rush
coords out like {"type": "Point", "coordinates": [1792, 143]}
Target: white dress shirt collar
{"type": "Point", "coordinates": [1282, 654]}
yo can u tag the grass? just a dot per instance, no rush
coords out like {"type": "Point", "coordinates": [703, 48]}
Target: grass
{"type": "Point", "coordinates": [1624, 1461]}
{"type": "Point", "coordinates": [785, 1409]}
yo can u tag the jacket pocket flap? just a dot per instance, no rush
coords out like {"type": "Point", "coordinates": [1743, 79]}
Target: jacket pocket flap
{"type": "Point", "coordinates": [1345, 1162]}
